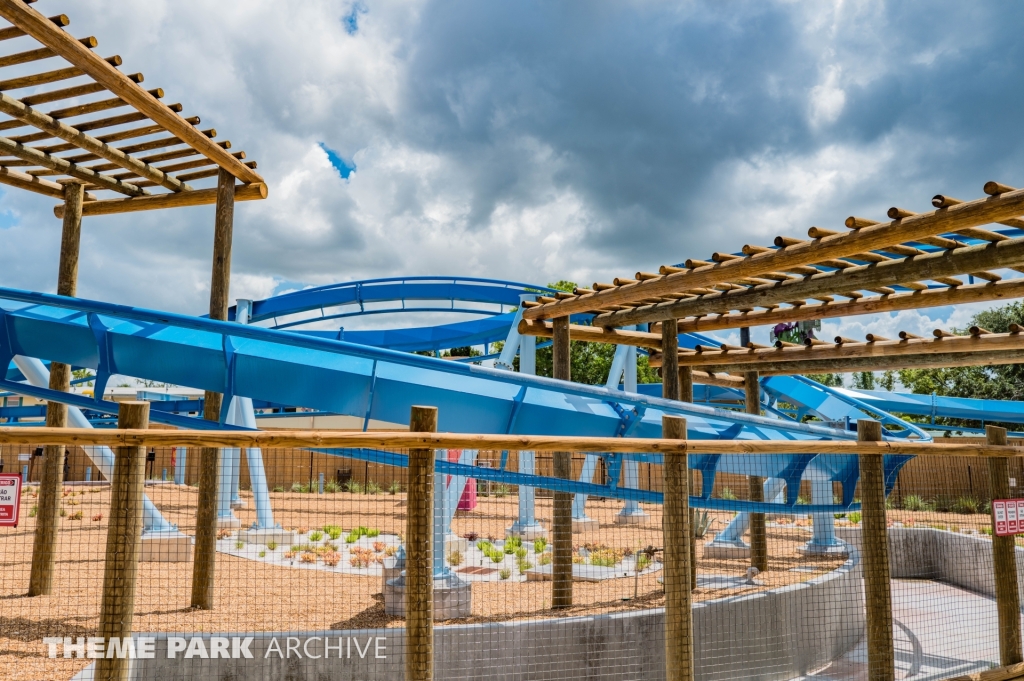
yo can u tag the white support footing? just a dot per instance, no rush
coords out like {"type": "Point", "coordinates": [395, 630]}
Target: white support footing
{"type": "Point", "coordinates": [166, 547]}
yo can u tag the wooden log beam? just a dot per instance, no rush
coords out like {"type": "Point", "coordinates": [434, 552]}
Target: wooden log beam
{"type": "Point", "coordinates": [922, 267]}
{"type": "Point", "coordinates": [15, 32]}
{"type": "Point", "coordinates": [941, 220]}
{"type": "Point", "coordinates": [42, 29]}
{"type": "Point", "coordinates": [292, 439]}
{"type": "Point", "coordinates": [31, 183]}
{"type": "Point", "coordinates": [947, 345]}
{"type": "Point", "coordinates": [50, 76]}
{"type": "Point", "coordinates": [9, 146]}
{"type": "Point", "coordinates": [882, 363]}
{"type": "Point", "coordinates": [39, 53]}
{"type": "Point", "coordinates": [95, 124]}
{"type": "Point", "coordinates": [71, 92]}
{"type": "Point", "coordinates": [12, 107]}
{"type": "Point", "coordinates": [973, 293]}
{"type": "Point", "coordinates": [196, 197]}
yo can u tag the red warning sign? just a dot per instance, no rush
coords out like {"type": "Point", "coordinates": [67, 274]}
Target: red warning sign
{"type": "Point", "coordinates": [10, 499]}
{"type": "Point", "coordinates": [1007, 517]}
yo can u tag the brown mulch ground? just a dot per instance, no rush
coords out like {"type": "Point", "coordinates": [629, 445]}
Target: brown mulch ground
{"type": "Point", "coordinates": [253, 596]}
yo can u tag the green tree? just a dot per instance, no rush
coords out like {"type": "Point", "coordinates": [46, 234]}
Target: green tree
{"type": "Point", "coordinates": [831, 380]}
{"type": "Point", "coordinates": [864, 380]}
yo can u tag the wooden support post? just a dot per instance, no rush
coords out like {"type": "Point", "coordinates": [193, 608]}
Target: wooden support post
{"type": "Point", "coordinates": [561, 524]}
{"type": "Point", "coordinates": [44, 547]}
{"type": "Point", "coordinates": [877, 587]}
{"type": "Point", "coordinates": [124, 542]}
{"type": "Point", "coordinates": [669, 360]}
{"type": "Point", "coordinates": [209, 457]}
{"type": "Point", "coordinates": [758, 533]}
{"type": "Point", "coordinates": [686, 395]}
{"type": "Point", "coordinates": [677, 556]}
{"type": "Point", "coordinates": [1004, 560]}
{"type": "Point", "coordinates": [419, 575]}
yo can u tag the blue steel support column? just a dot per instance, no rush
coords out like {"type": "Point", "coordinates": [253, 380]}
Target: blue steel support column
{"type": "Point", "coordinates": [631, 469]}
{"type": "Point", "coordinates": [526, 525]}
{"type": "Point", "coordinates": [180, 463]}
{"type": "Point", "coordinates": [733, 533]}
{"type": "Point", "coordinates": [823, 539]}
{"type": "Point", "coordinates": [254, 455]}
{"type": "Point", "coordinates": [440, 513]}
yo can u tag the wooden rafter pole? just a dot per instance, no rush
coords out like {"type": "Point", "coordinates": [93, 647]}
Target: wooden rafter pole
{"type": "Point", "coordinates": [849, 365]}
{"type": "Point", "coordinates": [46, 32]}
{"type": "Point", "coordinates": [918, 268]}
{"type": "Point", "coordinates": [32, 183]}
{"type": "Point", "coordinates": [561, 522]}
{"type": "Point", "coordinates": [196, 197]}
{"type": "Point", "coordinates": [911, 228]}
{"type": "Point", "coordinates": [9, 146]}
{"type": "Point", "coordinates": [44, 547]}
{"type": "Point", "coordinates": [12, 107]}
{"type": "Point", "coordinates": [209, 461]}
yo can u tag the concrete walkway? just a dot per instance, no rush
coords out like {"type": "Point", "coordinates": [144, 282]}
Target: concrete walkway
{"type": "Point", "coordinates": [940, 631]}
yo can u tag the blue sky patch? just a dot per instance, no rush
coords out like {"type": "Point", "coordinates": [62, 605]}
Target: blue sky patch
{"type": "Point", "coordinates": [351, 20]}
{"type": "Point", "coordinates": [7, 219]}
{"type": "Point", "coordinates": [343, 167]}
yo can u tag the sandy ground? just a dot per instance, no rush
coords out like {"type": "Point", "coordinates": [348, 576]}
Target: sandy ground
{"type": "Point", "coordinates": [253, 596]}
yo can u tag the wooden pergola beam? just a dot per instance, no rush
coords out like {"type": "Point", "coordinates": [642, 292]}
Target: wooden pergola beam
{"type": "Point", "coordinates": [923, 267]}
{"type": "Point", "coordinates": [843, 351]}
{"type": "Point", "coordinates": [9, 146]}
{"type": "Point", "coordinates": [973, 293]}
{"type": "Point", "coordinates": [882, 363]}
{"type": "Point", "coordinates": [31, 183]}
{"type": "Point", "coordinates": [50, 76]}
{"type": "Point", "coordinates": [197, 197]}
{"type": "Point", "coordinates": [42, 29]}
{"type": "Point", "coordinates": [870, 238]}
{"type": "Point", "coordinates": [19, 110]}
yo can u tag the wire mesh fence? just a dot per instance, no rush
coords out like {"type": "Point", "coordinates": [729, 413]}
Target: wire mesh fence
{"type": "Point", "coordinates": [309, 579]}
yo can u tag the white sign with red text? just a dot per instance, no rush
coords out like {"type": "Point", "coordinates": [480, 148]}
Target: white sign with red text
{"type": "Point", "coordinates": [1007, 517]}
{"type": "Point", "coordinates": [10, 499]}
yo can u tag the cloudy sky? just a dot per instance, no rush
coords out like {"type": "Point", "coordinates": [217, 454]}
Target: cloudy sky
{"type": "Point", "coordinates": [540, 141]}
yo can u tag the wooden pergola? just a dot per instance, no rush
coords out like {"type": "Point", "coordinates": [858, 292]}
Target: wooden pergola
{"type": "Point", "coordinates": [80, 141]}
{"type": "Point", "coordinates": [107, 146]}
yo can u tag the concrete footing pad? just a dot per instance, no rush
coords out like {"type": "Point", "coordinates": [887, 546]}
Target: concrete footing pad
{"type": "Point", "coordinates": [453, 597]}
{"type": "Point", "coordinates": [527, 532]}
{"type": "Point", "coordinates": [811, 549]}
{"type": "Point", "coordinates": [228, 523]}
{"type": "Point", "coordinates": [166, 547]}
{"type": "Point", "coordinates": [639, 519]}
{"type": "Point", "coordinates": [580, 525]}
{"type": "Point", "coordinates": [274, 534]}
{"type": "Point", "coordinates": [726, 550]}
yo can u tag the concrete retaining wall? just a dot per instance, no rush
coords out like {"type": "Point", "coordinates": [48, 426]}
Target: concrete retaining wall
{"type": "Point", "coordinates": [926, 553]}
{"type": "Point", "coordinates": [771, 635]}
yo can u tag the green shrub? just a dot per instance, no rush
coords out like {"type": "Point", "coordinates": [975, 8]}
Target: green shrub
{"type": "Point", "coordinates": [278, 489]}
{"type": "Point", "coordinates": [521, 553]}
{"type": "Point", "coordinates": [986, 530]}
{"type": "Point", "coordinates": [854, 517]}
{"type": "Point", "coordinates": [352, 537]}
{"type": "Point", "coordinates": [914, 502]}
{"type": "Point", "coordinates": [496, 556]}
{"type": "Point", "coordinates": [395, 487]}
{"type": "Point", "coordinates": [943, 503]}
{"type": "Point", "coordinates": [643, 561]}
{"type": "Point", "coordinates": [372, 488]}
{"type": "Point", "coordinates": [332, 487]}
{"type": "Point", "coordinates": [539, 545]}
{"type": "Point", "coordinates": [523, 566]}
{"type": "Point", "coordinates": [373, 532]}
{"type": "Point", "coordinates": [505, 573]}
{"type": "Point", "coordinates": [353, 487]}
{"type": "Point", "coordinates": [728, 494]}
{"type": "Point", "coordinates": [239, 544]}
{"type": "Point", "coordinates": [263, 554]}
{"type": "Point", "coordinates": [703, 523]}
{"type": "Point", "coordinates": [299, 487]}
{"type": "Point", "coordinates": [334, 532]}
{"type": "Point", "coordinates": [34, 511]}
{"type": "Point", "coordinates": [502, 490]}
{"type": "Point", "coordinates": [544, 559]}
{"type": "Point", "coordinates": [272, 545]}
{"type": "Point", "coordinates": [455, 558]}
{"type": "Point", "coordinates": [484, 546]}
{"type": "Point", "coordinates": [316, 535]}
{"type": "Point", "coordinates": [966, 504]}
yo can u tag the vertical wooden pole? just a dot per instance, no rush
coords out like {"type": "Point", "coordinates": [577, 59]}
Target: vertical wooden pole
{"type": "Point", "coordinates": [561, 525]}
{"type": "Point", "coordinates": [678, 569]}
{"type": "Point", "coordinates": [124, 539]}
{"type": "Point", "coordinates": [419, 575]}
{"type": "Point", "coordinates": [209, 457]}
{"type": "Point", "coordinates": [1004, 560]}
{"type": "Point", "coordinates": [44, 546]}
{"type": "Point", "coordinates": [758, 533]}
{"type": "Point", "coordinates": [877, 587]}
{"type": "Point", "coordinates": [670, 359]}
{"type": "Point", "coordinates": [686, 395]}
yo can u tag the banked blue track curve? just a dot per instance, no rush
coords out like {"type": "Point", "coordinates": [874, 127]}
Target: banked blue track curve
{"type": "Point", "coordinates": [376, 383]}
